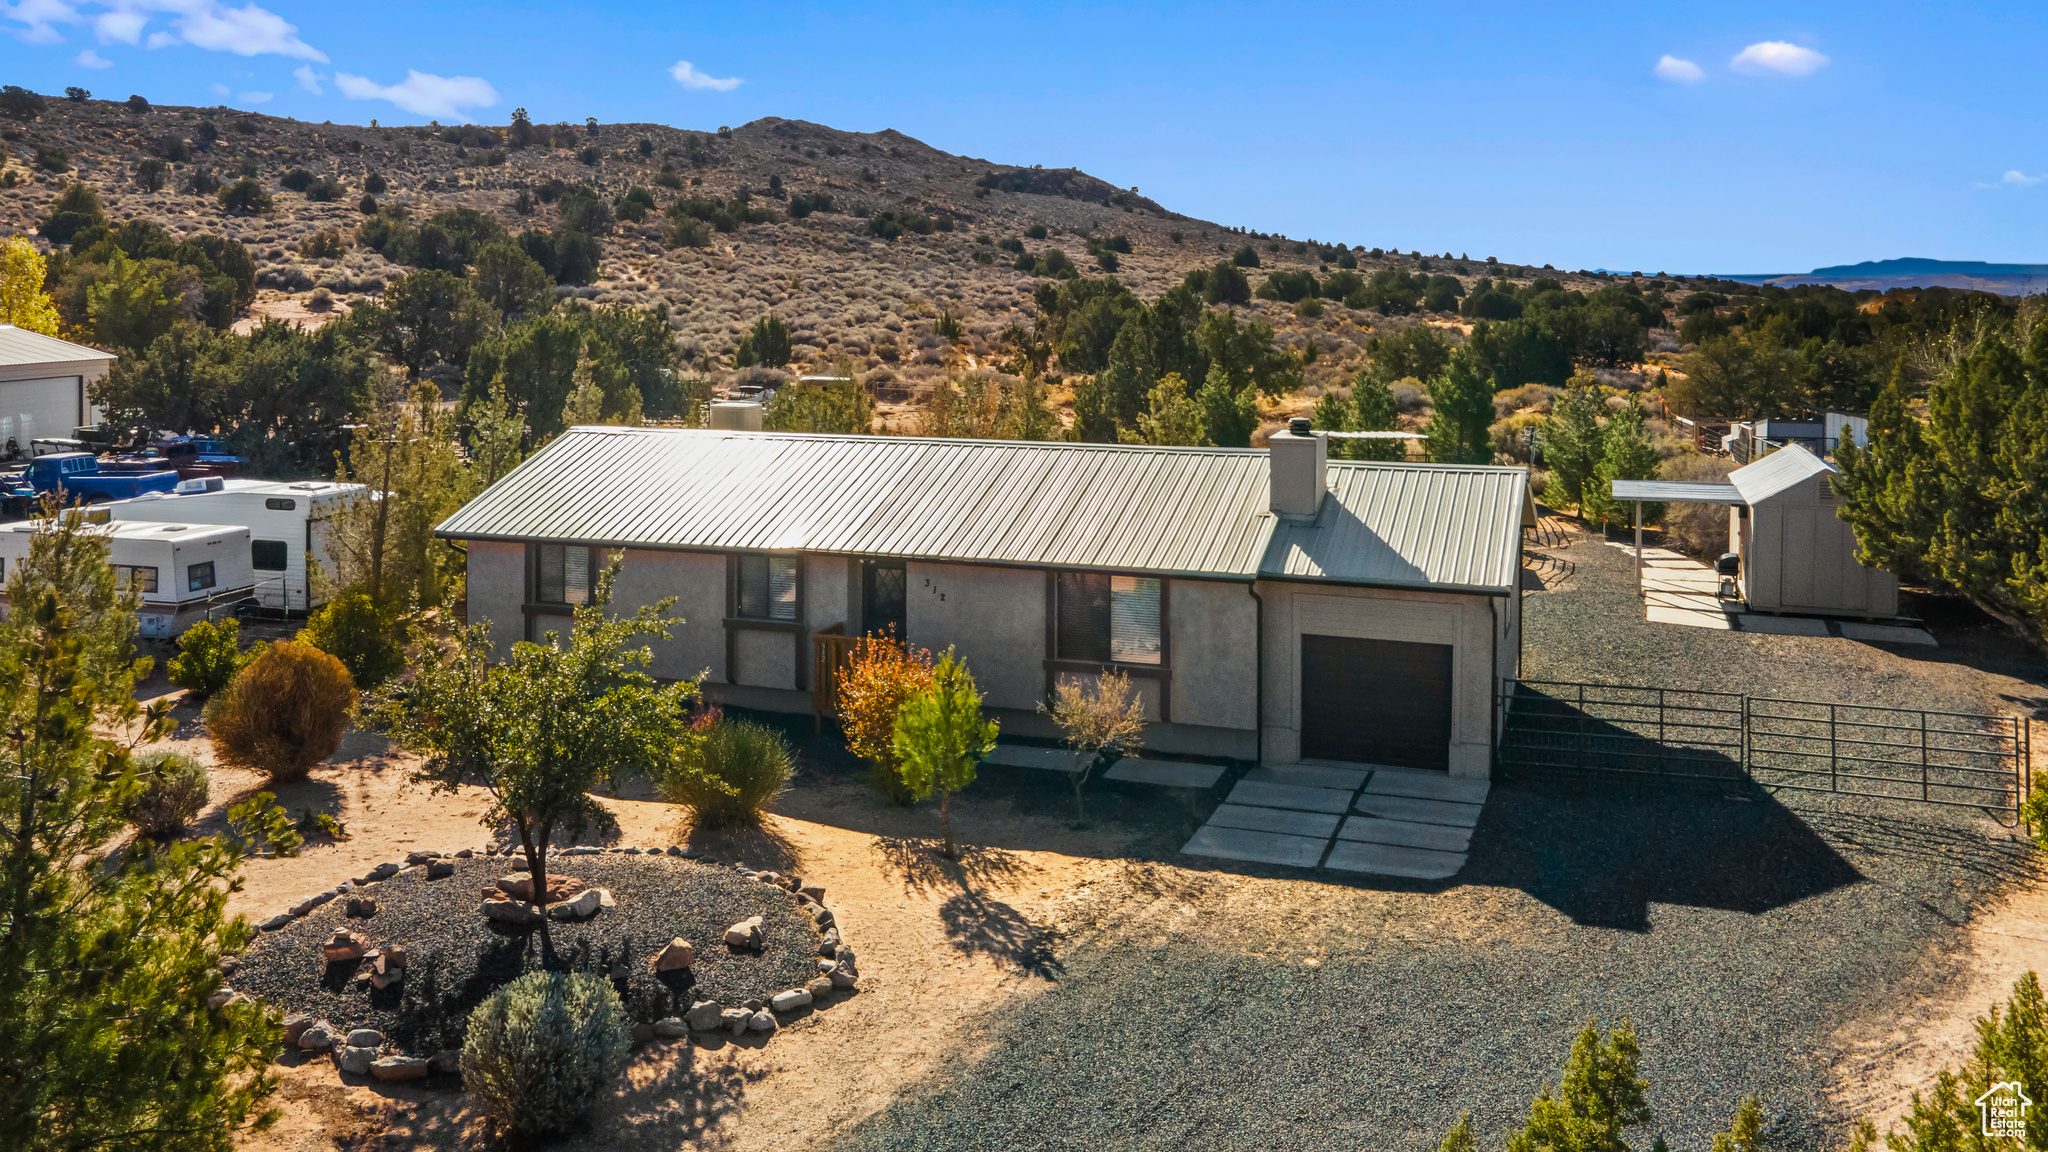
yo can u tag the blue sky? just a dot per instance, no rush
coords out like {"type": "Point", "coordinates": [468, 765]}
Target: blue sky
{"type": "Point", "coordinates": [1773, 138]}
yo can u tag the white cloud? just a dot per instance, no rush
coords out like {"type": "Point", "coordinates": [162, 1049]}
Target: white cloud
{"type": "Point", "coordinates": [2014, 178]}
{"type": "Point", "coordinates": [687, 75]}
{"type": "Point", "coordinates": [1678, 71]}
{"type": "Point", "coordinates": [254, 97]}
{"type": "Point", "coordinates": [162, 40]}
{"type": "Point", "coordinates": [422, 93]}
{"type": "Point", "coordinates": [91, 59]}
{"type": "Point", "coordinates": [245, 31]}
{"type": "Point", "coordinates": [39, 19]}
{"type": "Point", "coordinates": [219, 89]}
{"type": "Point", "coordinates": [120, 27]}
{"type": "Point", "coordinates": [1778, 56]}
{"type": "Point", "coordinates": [308, 79]}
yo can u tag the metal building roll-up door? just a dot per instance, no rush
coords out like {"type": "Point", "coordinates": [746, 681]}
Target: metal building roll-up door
{"type": "Point", "coordinates": [1376, 702]}
{"type": "Point", "coordinates": [38, 408]}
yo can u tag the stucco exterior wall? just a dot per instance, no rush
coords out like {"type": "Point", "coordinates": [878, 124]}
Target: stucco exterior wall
{"type": "Point", "coordinates": [1214, 651]}
{"type": "Point", "coordinates": [993, 617]}
{"type": "Point", "coordinates": [497, 586]}
{"type": "Point", "coordinates": [697, 581]}
{"type": "Point", "coordinates": [1464, 622]}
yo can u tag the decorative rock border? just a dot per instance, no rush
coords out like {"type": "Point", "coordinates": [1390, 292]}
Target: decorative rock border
{"type": "Point", "coordinates": [361, 1051]}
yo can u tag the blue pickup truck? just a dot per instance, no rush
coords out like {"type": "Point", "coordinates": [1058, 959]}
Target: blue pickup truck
{"type": "Point", "coordinates": [76, 476]}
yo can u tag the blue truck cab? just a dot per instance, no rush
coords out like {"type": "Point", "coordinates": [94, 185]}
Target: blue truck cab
{"type": "Point", "coordinates": [76, 476]}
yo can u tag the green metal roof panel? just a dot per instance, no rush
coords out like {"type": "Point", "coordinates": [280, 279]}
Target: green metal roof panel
{"type": "Point", "coordinates": [1184, 511]}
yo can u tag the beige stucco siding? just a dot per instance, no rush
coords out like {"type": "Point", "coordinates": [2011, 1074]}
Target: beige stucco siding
{"type": "Point", "coordinates": [496, 585]}
{"type": "Point", "coordinates": [697, 581]}
{"type": "Point", "coordinates": [993, 617]}
{"type": "Point", "coordinates": [1214, 651]}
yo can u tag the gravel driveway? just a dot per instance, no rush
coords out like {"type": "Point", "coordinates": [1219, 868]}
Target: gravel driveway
{"type": "Point", "coordinates": [1244, 1009]}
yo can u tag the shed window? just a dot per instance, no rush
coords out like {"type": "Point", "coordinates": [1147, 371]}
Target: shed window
{"type": "Point", "coordinates": [142, 579]}
{"type": "Point", "coordinates": [767, 587]}
{"type": "Point", "coordinates": [269, 555]}
{"type": "Point", "coordinates": [1113, 619]}
{"type": "Point", "coordinates": [199, 577]}
{"type": "Point", "coordinates": [564, 576]}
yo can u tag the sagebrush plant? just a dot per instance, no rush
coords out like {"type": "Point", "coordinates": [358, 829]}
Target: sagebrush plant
{"type": "Point", "coordinates": [286, 712]}
{"type": "Point", "coordinates": [879, 676]}
{"type": "Point", "coordinates": [209, 656]}
{"type": "Point", "coordinates": [731, 772]}
{"type": "Point", "coordinates": [542, 1049]}
{"type": "Point", "coordinates": [174, 790]}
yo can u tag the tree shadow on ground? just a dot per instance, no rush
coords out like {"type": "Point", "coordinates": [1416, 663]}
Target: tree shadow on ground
{"type": "Point", "coordinates": [922, 863]}
{"type": "Point", "coordinates": [977, 925]}
{"type": "Point", "coordinates": [762, 846]}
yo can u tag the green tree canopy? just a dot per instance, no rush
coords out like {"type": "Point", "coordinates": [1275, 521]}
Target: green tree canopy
{"type": "Point", "coordinates": [941, 736]}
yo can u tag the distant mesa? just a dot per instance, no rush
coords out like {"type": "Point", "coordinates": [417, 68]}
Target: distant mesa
{"type": "Point", "coordinates": [1917, 272]}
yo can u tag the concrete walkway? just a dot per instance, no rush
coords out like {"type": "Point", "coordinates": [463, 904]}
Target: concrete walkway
{"type": "Point", "coordinates": [1378, 821]}
{"type": "Point", "coordinates": [1680, 590]}
{"type": "Point", "coordinates": [1137, 770]}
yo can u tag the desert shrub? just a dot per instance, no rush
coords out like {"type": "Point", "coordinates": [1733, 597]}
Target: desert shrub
{"type": "Point", "coordinates": [52, 159]}
{"type": "Point", "coordinates": [1510, 435]}
{"type": "Point", "coordinates": [209, 656]}
{"type": "Point", "coordinates": [366, 638]}
{"type": "Point", "coordinates": [245, 195]}
{"type": "Point", "coordinates": [542, 1048]}
{"type": "Point", "coordinates": [1036, 231]}
{"type": "Point", "coordinates": [173, 792]}
{"type": "Point", "coordinates": [732, 772]}
{"type": "Point", "coordinates": [1409, 395]}
{"type": "Point", "coordinates": [1103, 718]}
{"type": "Point", "coordinates": [590, 155]}
{"type": "Point", "coordinates": [1245, 257]}
{"type": "Point", "coordinates": [149, 175]}
{"type": "Point", "coordinates": [375, 184]}
{"type": "Point", "coordinates": [21, 103]}
{"type": "Point", "coordinates": [202, 182]}
{"type": "Point", "coordinates": [321, 300]}
{"type": "Point", "coordinates": [324, 191]}
{"type": "Point", "coordinates": [137, 105]}
{"type": "Point", "coordinates": [1532, 396]}
{"type": "Point", "coordinates": [325, 244]}
{"type": "Point", "coordinates": [284, 713]}
{"type": "Point", "coordinates": [296, 180]}
{"type": "Point", "coordinates": [890, 225]}
{"type": "Point", "coordinates": [880, 675]}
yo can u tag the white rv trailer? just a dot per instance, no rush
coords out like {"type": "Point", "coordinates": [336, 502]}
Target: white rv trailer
{"type": "Point", "coordinates": [185, 572]}
{"type": "Point", "coordinates": [287, 522]}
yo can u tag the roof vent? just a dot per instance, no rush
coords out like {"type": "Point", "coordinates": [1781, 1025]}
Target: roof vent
{"type": "Point", "coordinates": [1299, 463]}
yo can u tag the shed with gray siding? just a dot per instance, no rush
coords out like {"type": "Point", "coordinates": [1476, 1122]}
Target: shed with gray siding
{"type": "Point", "coordinates": [1260, 600]}
{"type": "Point", "coordinates": [1798, 555]}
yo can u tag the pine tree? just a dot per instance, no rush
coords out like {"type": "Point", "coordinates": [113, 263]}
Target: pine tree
{"type": "Point", "coordinates": [1172, 417]}
{"type": "Point", "coordinates": [497, 435]}
{"type": "Point", "coordinates": [940, 738]}
{"type": "Point", "coordinates": [1094, 411]}
{"type": "Point", "coordinates": [1625, 454]}
{"type": "Point", "coordinates": [1599, 1093]}
{"type": "Point", "coordinates": [586, 400]}
{"type": "Point", "coordinates": [23, 302]}
{"type": "Point", "coordinates": [110, 957]}
{"type": "Point", "coordinates": [1571, 443]}
{"type": "Point", "coordinates": [1131, 370]}
{"type": "Point", "coordinates": [1373, 409]}
{"type": "Point", "coordinates": [1462, 399]}
{"type": "Point", "coordinates": [1880, 486]}
{"type": "Point", "coordinates": [1229, 415]}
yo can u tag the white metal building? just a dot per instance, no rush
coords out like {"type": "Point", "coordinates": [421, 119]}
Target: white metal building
{"type": "Point", "coordinates": [287, 522]}
{"type": "Point", "coordinates": [1272, 605]}
{"type": "Point", "coordinates": [183, 571]}
{"type": "Point", "coordinates": [44, 387]}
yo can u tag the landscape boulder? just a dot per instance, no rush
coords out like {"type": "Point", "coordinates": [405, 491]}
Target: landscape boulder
{"type": "Point", "coordinates": [221, 997]}
{"type": "Point", "coordinates": [829, 943]}
{"type": "Point", "coordinates": [295, 1026]}
{"type": "Point", "coordinates": [819, 987]}
{"type": "Point", "coordinates": [677, 955]}
{"type": "Point", "coordinates": [791, 1000]}
{"type": "Point", "coordinates": [275, 922]}
{"type": "Point", "coordinates": [384, 871]}
{"type": "Point", "coordinates": [583, 907]}
{"type": "Point", "coordinates": [436, 869]}
{"type": "Point", "coordinates": [762, 1021]}
{"type": "Point", "coordinates": [844, 973]}
{"type": "Point", "coordinates": [312, 902]}
{"type": "Point", "coordinates": [813, 891]}
{"type": "Point", "coordinates": [361, 907]}
{"type": "Point", "coordinates": [399, 1068]}
{"type": "Point", "coordinates": [356, 1060]}
{"type": "Point", "coordinates": [508, 911]}
{"type": "Point", "coordinates": [388, 968]}
{"type": "Point", "coordinates": [344, 947]}
{"type": "Point", "coordinates": [736, 1019]}
{"type": "Point", "coordinates": [703, 1016]}
{"type": "Point", "coordinates": [671, 1028]}
{"type": "Point", "coordinates": [318, 1037]}
{"type": "Point", "coordinates": [446, 1062]}
{"type": "Point", "coordinates": [412, 858]}
{"type": "Point", "coordinates": [519, 886]}
{"type": "Point", "coordinates": [747, 933]}
{"type": "Point", "coordinates": [365, 1038]}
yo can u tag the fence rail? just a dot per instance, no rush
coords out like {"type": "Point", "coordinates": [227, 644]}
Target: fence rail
{"type": "Point", "coordinates": [1952, 759]}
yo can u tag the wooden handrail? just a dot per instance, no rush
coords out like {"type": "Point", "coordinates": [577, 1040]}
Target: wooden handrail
{"type": "Point", "coordinates": [831, 650]}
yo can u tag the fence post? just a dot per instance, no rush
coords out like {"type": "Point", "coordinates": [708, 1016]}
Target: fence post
{"type": "Point", "coordinates": [1923, 755]}
{"type": "Point", "coordinates": [1579, 742]}
{"type": "Point", "coordinates": [1834, 765]}
{"type": "Point", "coordinates": [1748, 769]}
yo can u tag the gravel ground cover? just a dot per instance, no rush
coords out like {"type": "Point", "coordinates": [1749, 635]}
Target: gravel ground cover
{"type": "Point", "coordinates": [456, 957]}
{"type": "Point", "coordinates": [1737, 935]}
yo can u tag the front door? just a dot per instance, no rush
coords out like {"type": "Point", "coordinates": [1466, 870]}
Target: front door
{"type": "Point", "coordinates": [883, 584]}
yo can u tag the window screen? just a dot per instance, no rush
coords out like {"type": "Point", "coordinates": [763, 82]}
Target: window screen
{"type": "Point", "coordinates": [564, 574]}
{"type": "Point", "coordinates": [199, 577]}
{"type": "Point", "coordinates": [143, 578]}
{"type": "Point", "coordinates": [269, 555]}
{"type": "Point", "coordinates": [1113, 619]}
{"type": "Point", "coordinates": [767, 587]}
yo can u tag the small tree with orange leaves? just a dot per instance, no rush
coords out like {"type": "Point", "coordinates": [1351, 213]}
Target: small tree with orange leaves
{"type": "Point", "coordinates": [880, 675]}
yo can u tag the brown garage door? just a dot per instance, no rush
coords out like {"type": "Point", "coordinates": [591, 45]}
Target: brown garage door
{"type": "Point", "coordinates": [1376, 702]}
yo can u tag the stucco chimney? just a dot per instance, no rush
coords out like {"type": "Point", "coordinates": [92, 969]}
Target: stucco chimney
{"type": "Point", "coordinates": [1299, 462]}
{"type": "Point", "coordinates": [736, 415]}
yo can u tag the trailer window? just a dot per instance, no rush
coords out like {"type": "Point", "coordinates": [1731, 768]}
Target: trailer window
{"type": "Point", "coordinates": [281, 504]}
{"type": "Point", "coordinates": [142, 579]}
{"type": "Point", "coordinates": [199, 577]}
{"type": "Point", "coordinates": [563, 575]}
{"type": "Point", "coordinates": [269, 555]}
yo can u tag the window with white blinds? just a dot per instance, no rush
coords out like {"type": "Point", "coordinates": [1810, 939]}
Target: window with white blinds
{"type": "Point", "coordinates": [1113, 619]}
{"type": "Point", "coordinates": [564, 576]}
{"type": "Point", "coordinates": [767, 587]}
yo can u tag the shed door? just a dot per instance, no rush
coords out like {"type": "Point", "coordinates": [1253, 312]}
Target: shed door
{"type": "Point", "coordinates": [33, 408]}
{"type": "Point", "coordinates": [1376, 702]}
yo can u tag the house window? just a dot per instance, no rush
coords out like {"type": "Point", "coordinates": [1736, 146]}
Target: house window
{"type": "Point", "coordinates": [140, 578]}
{"type": "Point", "coordinates": [199, 577]}
{"type": "Point", "coordinates": [767, 587]}
{"type": "Point", "coordinates": [269, 555]}
{"type": "Point", "coordinates": [564, 574]}
{"type": "Point", "coordinates": [1111, 619]}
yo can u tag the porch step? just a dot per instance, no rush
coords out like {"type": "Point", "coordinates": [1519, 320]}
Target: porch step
{"type": "Point", "coordinates": [1257, 847]}
{"type": "Point", "coordinates": [1300, 797]}
{"type": "Point", "coordinates": [1307, 776]}
{"type": "Point", "coordinates": [1275, 820]}
{"type": "Point", "coordinates": [1170, 773]}
{"type": "Point", "coordinates": [1420, 811]}
{"type": "Point", "coordinates": [1025, 756]}
{"type": "Point", "coordinates": [1389, 860]}
{"type": "Point", "coordinates": [1406, 834]}
{"type": "Point", "coordinates": [1426, 786]}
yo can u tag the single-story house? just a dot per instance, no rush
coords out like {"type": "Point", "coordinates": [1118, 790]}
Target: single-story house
{"type": "Point", "coordinates": [1273, 604]}
{"type": "Point", "coordinates": [45, 386]}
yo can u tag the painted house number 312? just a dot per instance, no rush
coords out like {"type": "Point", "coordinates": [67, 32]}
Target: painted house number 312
{"type": "Point", "coordinates": [933, 588]}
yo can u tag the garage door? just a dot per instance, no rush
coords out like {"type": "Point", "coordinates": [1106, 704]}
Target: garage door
{"type": "Point", "coordinates": [1376, 702]}
{"type": "Point", "coordinates": [32, 408]}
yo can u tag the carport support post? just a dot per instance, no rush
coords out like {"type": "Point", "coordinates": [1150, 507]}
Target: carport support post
{"type": "Point", "coordinates": [1639, 549]}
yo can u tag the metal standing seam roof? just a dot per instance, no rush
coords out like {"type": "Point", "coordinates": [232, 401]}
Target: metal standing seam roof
{"type": "Point", "coordinates": [20, 347]}
{"type": "Point", "coordinates": [1774, 473]}
{"type": "Point", "coordinates": [1176, 511]}
{"type": "Point", "coordinates": [1676, 491]}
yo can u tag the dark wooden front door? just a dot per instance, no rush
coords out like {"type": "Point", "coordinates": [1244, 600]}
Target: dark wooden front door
{"type": "Point", "coordinates": [883, 585]}
{"type": "Point", "coordinates": [1376, 702]}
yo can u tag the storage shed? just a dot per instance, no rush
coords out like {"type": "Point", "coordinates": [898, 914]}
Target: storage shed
{"type": "Point", "coordinates": [1795, 553]}
{"type": "Point", "coordinates": [184, 572]}
{"type": "Point", "coordinates": [44, 387]}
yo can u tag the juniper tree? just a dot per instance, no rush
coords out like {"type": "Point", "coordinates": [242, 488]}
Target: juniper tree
{"type": "Point", "coordinates": [940, 737]}
{"type": "Point", "coordinates": [1571, 442]}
